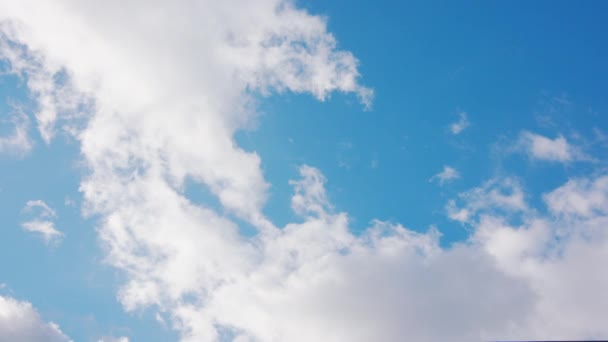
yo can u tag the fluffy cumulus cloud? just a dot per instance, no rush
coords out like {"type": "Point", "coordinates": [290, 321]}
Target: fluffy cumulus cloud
{"type": "Point", "coordinates": [543, 148]}
{"type": "Point", "coordinates": [314, 280]}
{"type": "Point", "coordinates": [19, 321]}
{"type": "Point", "coordinates": [41, 221]}
{"type": "Point", "coordinates": [557, 252]}
{"type": "Point", "coordinates": [154, 91]}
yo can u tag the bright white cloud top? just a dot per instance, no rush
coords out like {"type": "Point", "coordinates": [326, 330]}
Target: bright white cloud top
{"type": "Point", "coordinates": [154, 92]}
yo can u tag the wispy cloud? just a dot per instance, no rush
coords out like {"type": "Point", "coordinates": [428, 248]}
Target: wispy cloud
{"type": "Point", "coordinates": [42, 222]}
{"type": "Point", "coordinates": [460, 125]}
{"type": "Point", "coordinates": [496, 195]}
{"type": "Point", "coordinates": [447, 175]}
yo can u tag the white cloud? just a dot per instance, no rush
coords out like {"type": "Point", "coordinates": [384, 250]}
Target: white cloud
{"type": "Point", "coordinates": [559, 256]}
{"type": "Point", "coordinates": [42, 221]}
{"type": "Point", "coordinates": [152, 105]}
{"type": "Point", "coordinates": [310, 197]}
{"type": "Point", "coordinates": [317, 281]}
{"type": "Point", "coordinates": [45, 228]}
{"type": "Point", "coordinates": [447, 175]}
{"type": "Point", "coordinates": [47, 83]}
{"type": "Point", "coordinates": [44, 209]}
{"type": "Point", "coordinates": [163, 115]}
{"type": "Point", "coordinates": [19, 321]}
{"type": "Point", "coordinates": [460, 125]}
{"type": "Point", "coordinates": [171, 83]}
{"type": "Point", "coordinates": [543, 148]}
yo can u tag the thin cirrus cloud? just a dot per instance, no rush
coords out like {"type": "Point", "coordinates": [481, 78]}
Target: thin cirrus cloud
{"type": "Point", "coordinates": [42, 221]}
{"type": "Point", "coordinates": [161, 116]}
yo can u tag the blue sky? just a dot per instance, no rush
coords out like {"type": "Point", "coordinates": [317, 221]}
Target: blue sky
{"type": "Point", "coordinates": [219, 179]}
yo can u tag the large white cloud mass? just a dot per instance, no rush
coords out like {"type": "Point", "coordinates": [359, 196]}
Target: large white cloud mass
{"type": "Point", "coordinates": [154, 92]}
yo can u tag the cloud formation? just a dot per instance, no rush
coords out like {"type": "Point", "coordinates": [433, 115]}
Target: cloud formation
{"type": "Point", "coordinates": [557, 254]}
{"type": "Point", "coordinates": [154, 92]}
{"type": "Point", "coordinates": [19, 321]}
